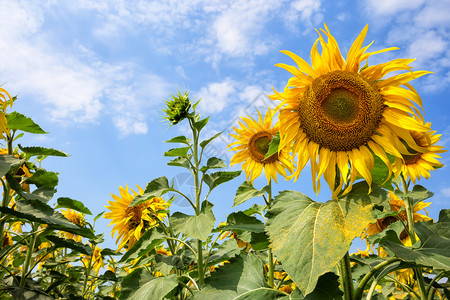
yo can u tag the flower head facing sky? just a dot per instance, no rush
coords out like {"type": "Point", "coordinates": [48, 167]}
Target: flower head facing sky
{"type": "Point", "coordinates": [338, 115]}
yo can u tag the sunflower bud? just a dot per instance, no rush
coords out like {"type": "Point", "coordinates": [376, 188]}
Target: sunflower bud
{"type": "Point", "coordinates": [177, 108]}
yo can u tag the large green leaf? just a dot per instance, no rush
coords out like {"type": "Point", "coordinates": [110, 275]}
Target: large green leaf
{"type": "Point", "coordinates": [17, 121]}
{"type": "Point", "coordinates": [418, 194]}
{"type": "Point", "coordinates": [243, 274]}
{"type": "Point", "coordinates": [198, 227]}
{"type": "Point", "coordinates": [34, 151]}
{"type": "Point", "coordinates": [133, 281]}
{"type": "Point", "coordinates": [434, 250]}
{"type": "Point", "coordinates": [240, 221]}
{"type": "Point", "coordinates": [217, 178]}
{"type": "Point", "coordinates": [309, 237]}
{"type": "Point", "coordinates": [213, 163]}
{"type": "Point", "coordinates": [246, 191]}
{"type": "Point", "coordinates": [70, 244]}
{"type": "Point", "coordinates": [156, 289]}
{"type": "Point", "coordinates": [65, 202]}
{"type": "Point", "coordinates": [225, 251]}
{"type": "Point", "coordinates": [7, 162]}
{"type": "Point", "coordinates": [43, 178]}
{"type": "Point", "coordinates": [327, 288]}
{"type": "Point", "coordinates": [179, 162]}
{"type": "Point", "coordinates": [155, 188]}
{"type": "Point", "coordinates": [147, 242]}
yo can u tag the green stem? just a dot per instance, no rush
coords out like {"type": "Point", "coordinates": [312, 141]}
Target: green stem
{"type": "Point", "coordinates": [346, 277]}
{"type": "Point", "coordinates": [271, 264]}
{"type": "Point", "coordinates": [88, 271]}
{"type": "Point", "coordinates": [409, 208]}
{"type": "Point", "coordinates": [30, 250]}
{"type": "Point", "coordinates": [430, 291]}
{"type": "Point", "coordinates": [359, 290]}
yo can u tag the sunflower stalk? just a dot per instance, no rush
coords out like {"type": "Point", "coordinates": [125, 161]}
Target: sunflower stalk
{"type": "Point", "coordinates": [409, 207]}
{"type": "Point", "coordinates": [271, 264]}
{"type": "Point", "coordinates": [345, 273]}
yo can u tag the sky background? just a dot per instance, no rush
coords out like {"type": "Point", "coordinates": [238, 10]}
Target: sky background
{"type": "Point", "coordinates": [95, 75]}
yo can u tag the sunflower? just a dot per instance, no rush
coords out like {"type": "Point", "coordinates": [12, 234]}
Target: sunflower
{"type": "Point", "coordinates": [397, 205]}
{"type": "Point", "coordinates": [5, 99]}
{"type": "Point", "coordinates": [418, 164]}
{"type": "Point", "coordinates": [338, 116]}
{"type": "Point", "coordinates": [253, 139]}
{"type": "Point", "coordinates": [76, 218]}
{"type": "Point", "coordinates": [131, 222]}
{"type": "Point", "coordinates": [97, 260]}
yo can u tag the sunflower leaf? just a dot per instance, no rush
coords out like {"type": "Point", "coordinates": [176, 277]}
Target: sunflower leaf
{"type": "Point", "coordinates": [17, 121]}
{"type": "Point", "coordinates": [133, 281]}
{"type": "Point", "coordinates": [43, 178]}
{"type": "Point", "coordinates": [217, 178]}
{"type": "Point", "coordinates": [327, 288]}
{"type": "Point", "coordinates": [225, 251]}
{"type": "Point", "coordinates": [182, 151]}
{"type": "Point", "coordinates": [213, 163]}
{"type": "Point", "coordinates": [149, 240]}
{"type": "Point", "coordinates": [273, 146]}
{"type": "Point", "coordinates": [71, 244]}
{"type": "Point", "coordinates": [246, 191]}
{"type": "Point", "coordinates": [240, 221]}
{"type": "Point", "coordinates": [179, 139]}
{"type": "Point", "coordinates": [418, 194]}
{"type": "Point", "coordinates": [200, 124]}
{"type": "Point", "coordinates": [155, 188]}
{"type": "Point", "coordinates": [199, 226]}
{"type": "Point", "coordinates": [206, 142]}
{"type": "Point", "coordinates": [35, 151]}
{"type": "Point", "coordinates": [7, 162]}
{"type": "Point", "coordinates": [310, 238]}
{"type": "Point", "coordinates": [156, 289]}
{"type": "Point", "coordinates": [65, 202]}
{"type": "Point", "coordinates": [180, 162]}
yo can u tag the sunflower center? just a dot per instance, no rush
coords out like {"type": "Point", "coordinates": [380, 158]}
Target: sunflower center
{"type": "Point", "coordinates": [340, 110]}
{"type": "Point", "coordinates": [421, 141]}
{"type": "Point", "coordinates": [258, 147]}
{"type": "Point", "coordinates": [136, 214]}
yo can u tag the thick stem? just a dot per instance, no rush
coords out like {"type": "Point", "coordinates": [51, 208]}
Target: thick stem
{"type": "Point", "coordinates": [271, 264]}
{"type": "Point", "coordinates": [346, 277]}
{"type": "Point", "coordinates": [409, 208]}
{"type": "Point", "coordinates": [30, 250]}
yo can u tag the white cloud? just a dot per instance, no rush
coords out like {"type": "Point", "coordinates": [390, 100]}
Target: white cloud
{"type": "Point", "coordinates": [216, 96]}
{"type": "Point", "coordinates": [389, 7]}
{"type": "Point", "coordinates": [445, 192]}
{"type": "Point", "coordinates": [307, 11]}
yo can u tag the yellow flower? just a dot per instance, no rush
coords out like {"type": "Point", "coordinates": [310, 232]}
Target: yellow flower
{"type": "Point", "coordinates": [5, 97]}
{"type": "Point", "coordinates": [338, 116]}
{"type": "Point", "coordinates": [76, 218]}
{"type": "Point", "coordinates": [396, 205]}
{"type": "Point", "coordinates": [252, 144]}
{"type": "Point", "coordinates": [418, 164]}
{"type": "Point", "coordinates": [131, 222]}
{"type": "Point", "coordinates": [97, 260]}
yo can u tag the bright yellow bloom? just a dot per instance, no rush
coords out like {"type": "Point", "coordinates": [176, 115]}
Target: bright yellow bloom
{"type": "Point", "coordinates": [420, 164]}
{"type": "Point", "coordinates": [396, 205]}
{"type": "Point", "coordinates": [76, 218]}
{"type": "Point", "coordinates": [338, 115]}
{"type": "Point", "coordinates": [252, 144]}
{"type": "Point", "coordinates": [131, 222]}
{"type": "Point", "coordinates": [5, 97]}
{"type": "Point", "coordinates": [97, 260]}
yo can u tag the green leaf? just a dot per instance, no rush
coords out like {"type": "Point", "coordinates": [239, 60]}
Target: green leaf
{"type": "Point", "coordinates": [418, 194]}
{"type": "Point", "coordinates": [133, 281]}
{"type": "Point", "coordinates": [200, 124]}
{"type": "Point", "coordinates": [35, 151]}
{"type": "Point", "coordinates": [148, 241]}
{"type": "Point", "coordinates": [7, 162]}
{"type": "Point", "coordinates": [206, 142]}
{"type": "Point", "coordinates": [198, 227]}
{"type": "Point", "coordinates": [20, 293]}
{"type": "Point", "coordinates": [240, 221]}
{"type": "Point", "coordinates": [157, 288]}
{"type": "Point", "coordinates": [17, 121]}
{"type": "Point", "coordinates": [327, 288]}
{"type": "Point", "coordinates": [180, 162]}
{"type": "Point", "coordinates": [273, 146]}
{"type": "Point", "coordinates": [255, 209]}
{"type": "Point", "coordinates": [71, 244]}
{"type": "Point", "coordinates": [182, 151]}
{"type": "Point", "coordinates": [246, 191]}
{"type": "Point", "coordinates": [43, 194]}
{"type": "Point", "coordinates": [434, 250]}
{"type": "Point", "coordinates": [155, 188]}
{"type": "Point", "coordinates": [217, 178]}
{"type": "Point", "coordinates": [310, 238]}
{"type": "Point", "coordinates": [225, 251]}
{"type": "Point", "coordinates": [98, 216]}
{"type": "Point", "coordinates": [380, 172]}
{"type": "Point", "coordinates": [43, 178]}
{"type": "Point", "coordinates": [65, 202]}
{"type": "Point", "coordinates": [242, 275]}
{"type": "Point", "coordinates": [213, 163]}
{"type": "Point", "coordinates": [179, 139]}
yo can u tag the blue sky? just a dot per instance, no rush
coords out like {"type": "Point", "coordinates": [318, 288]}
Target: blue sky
{"type": "Point", "coordinates": [95, 75]}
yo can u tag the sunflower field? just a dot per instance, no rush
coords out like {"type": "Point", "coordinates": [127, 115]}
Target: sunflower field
{"type": "Point", "coordinates": [356, 125]}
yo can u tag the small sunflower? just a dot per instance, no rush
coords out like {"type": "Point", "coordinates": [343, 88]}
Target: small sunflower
{"type": "Point", "coordinates": [76, 218]}
{"type": "Point", "coordinates": [131, 222]}
{"type": "Point", "coordinates": [339, 116]}
{"type": "Point", "coordinates": [5, 99]}
{"type": "Point", "coordinates": [396, 205]}
{"type": "Point", "coordinates": [419, 164]}
{"type": "Point", "coordinates": [252, 144]}
{"type": "Point", "coordinates": [97, 260]}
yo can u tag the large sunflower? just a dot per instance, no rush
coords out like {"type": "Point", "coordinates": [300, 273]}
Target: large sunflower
{"type": "Point", "coordinates": [131, 222]}
{"type": "Point", "coordinates": [252, 144]}
{"type": "Point", "coordinates": [338, 115]}
{"type": "Point", "coordinates": [420, 164]}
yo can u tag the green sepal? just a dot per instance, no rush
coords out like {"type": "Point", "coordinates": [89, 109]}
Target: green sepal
{"type": "Point", "coordinates": [64, 202]}
{"type": "Point", "coordinates": [246, 191]}
{"type": "Point", "coordinates": [273, 146]}
{"type": "Point", "coordinates": [206, 142]}
{"type": "Point", "coordinates": [217, 178]}
{"type": "Point", "coordinates": [36, 151]}
{"type": "Point", "coordinates": [17, 121]}
{"type": "Point", "coordinates": [213, 163]}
